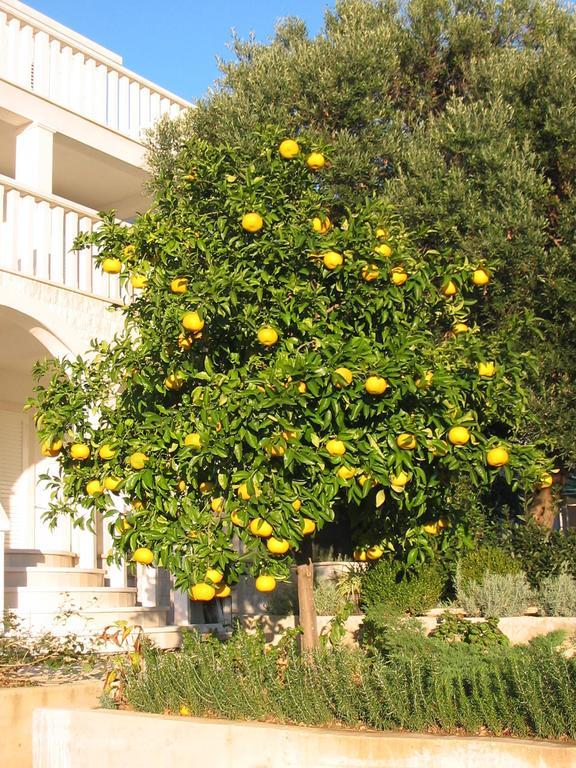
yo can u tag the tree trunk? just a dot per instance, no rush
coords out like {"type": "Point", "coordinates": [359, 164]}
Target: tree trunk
{"type": "Point", "coordinates": [542, 509]}
{"type": "Point", "coordinates": [306, 610]}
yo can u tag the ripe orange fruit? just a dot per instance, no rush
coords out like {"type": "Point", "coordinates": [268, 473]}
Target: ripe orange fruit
{"type": "Point", "coordinates": [137, 460]}
{"type": "Point", "coordinates": [406, 441]}
{"type": "Point", "coordinates": [297, 505]}
{"type": "Point", "coordinates": [174, 381]}
{"type": "Point", "coordinates": [217, 504]}
{"type": "Point", "coordinates": [399, 482]}
{"type": "Point", "coordinates": [346, 473]}
{"type": "Point", "coordinates": [185, 342]}
{"type": "Point", "coordinates": [182, 487]}
{"type": "Point", "coordinates": [315, 161]}
{"type": "Point", "coordinates": [343, 373]}
{"type": "Point", "coordinates": [112, 483]}
{"type": "Point", "coordinates": [51, 448]}
{"type": "Point", "coordinates": [449, 289]}
{"type": "Point", "coordinates": [487, 369]}
{"type": "Point", "coordinates": [143, 555]}
{"type": "Point", "coordinates": [546, 480]}
{"type": "Point", "coordinates": [375, 385]}
{"type": "Point", "coordinates": [252, 222]}
{"type": "Point", "coordinates": [289, 149]}
{"type": "Point", "coordinates": [382, 232]}
{"type": "Point", "coordinates": [431, 528]}
{"type": "Point", "coordinates": [193, 322]}
{"type": "Point", "coordinates": [321, 225]}
{"type": "Point", "coordinates": [202, 591]}
{"type": "Point", "coordinates": [193, 440]}
{"type": "Point", "coordinates": [302, 388]}
{"type": "Point", "coordinates": [335, 447]}
{"type": "Point", "coordinates": [265, 583]}
{"type": "Point", "coordinates": [214, 575]}
{"type": "Point", "coordinates": [332, 260]}
{"type": "Point", "coordinates": [360, 555]}
{"type": "Point", "coordinates": [179, 285]}
{"type": "Point", "coordinates": [138, 281]}
{"type": "Point", "coordinates": [308, 526]}
{"type": "Point", "coordinates": [374, 552]}
{"type": "Point", "coordinates": [383, 250]}
{"type": "Point", "coordinates": [277, 546]}
{"type": "Point", "coordinates": [458, 435]}
{"type": "Point", "coordinates": [236, 519]}
{"type": "Point", "coordinates": [398, 276]}
{"type": "Point", "coordinates": [460, 328]}
{"type": "Point", "coordinates": [79, 451]}
{"type": "Point", "coordinates": [267, 336]}
{"type": "Point", "coordinates": [260, 528]}
{"type": "Point", "coordinates": [223, 590]}
{"type": "Point", "coordinates": [243, 492]}
{"type": "Point", "coordinates": [106, 452]}
{"type": "Point", "coordinates": [93, 487]}
{"type": "Point", "coordinates": [497, 457]}
{"type": "Point", "coordinates": [277, 450]}
{"type": "Point", "coordinates": [370, 272]}
{"type": "Point", "coordinates": [122, 525]}
{"type": "Point", "coordinates": [206, 486]}
{"type": "Point", "coordinates": [480, 276]}
{"type": "Point", "coordinates": [112, 266]}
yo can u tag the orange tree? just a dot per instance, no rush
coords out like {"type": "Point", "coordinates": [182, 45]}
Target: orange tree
{"type": "Point", "coordinates": [284, 360]}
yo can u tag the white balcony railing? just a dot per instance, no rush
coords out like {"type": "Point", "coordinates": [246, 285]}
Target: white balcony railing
{"type": "Point", "coordinates": [69, 73]}
{"type": "Point", "coordinates": [36, 236]}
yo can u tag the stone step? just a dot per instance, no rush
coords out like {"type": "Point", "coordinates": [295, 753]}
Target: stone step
{"type": "Point", "coordinates": [91, 621]}
{"type": "Point", "coordinates": [56, 578]}
{"type": "Point", "coordinates": [57, 600]}
{"type": "Point", "coordinates": [27, 558]}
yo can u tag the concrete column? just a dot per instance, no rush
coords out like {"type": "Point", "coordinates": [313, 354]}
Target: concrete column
{"type": "Point", "coordinates": [147, 586]}
{"type": "Point", "coordinates": [181, 607]}
{"type": "Point", "coordinates": [4, 526]}
{"type": "Point", "coordinates": [84, 543]}
{"type": "Point", "coordinates": [35, 157]}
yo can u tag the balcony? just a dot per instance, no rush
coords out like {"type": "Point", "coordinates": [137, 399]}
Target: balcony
{"type": "Point", "coordinates": [50, 61]}
{"type": "Point", "coordinates": [36, 236]}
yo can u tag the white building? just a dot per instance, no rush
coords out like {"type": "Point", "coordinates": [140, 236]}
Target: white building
{"type": "Point", "coordinates": [71, 122]}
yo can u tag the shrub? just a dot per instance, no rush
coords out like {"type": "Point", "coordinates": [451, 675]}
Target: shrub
{"type": "Point", "coordinates": [539, 551]}
{"type": "Point", "coordinates": [328, 600]}
{"type": "Point", "coordinates": [476, 563]}
{"type": "Point", "coordinates": [495, 594]}
{"type": "Point", "coordinates": [557, 594]}
{"type": "Point", "coordinates": [453, 629]}
{"type": "Point", "coordinates": [387, 585]}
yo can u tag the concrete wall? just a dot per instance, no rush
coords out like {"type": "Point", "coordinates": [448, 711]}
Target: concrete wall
{"type": "Point", "coordinates": [84, 739]}
{"type": "Point", "coordinates": [17, 705]}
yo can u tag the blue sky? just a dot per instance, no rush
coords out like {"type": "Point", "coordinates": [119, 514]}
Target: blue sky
{"type": "Point", "coordinates": [177, 48]}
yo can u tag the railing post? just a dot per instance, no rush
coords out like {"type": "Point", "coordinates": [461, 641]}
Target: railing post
{"type": "Point", "coordinates": [4, 526]}
{"type": "Point", "coordinates": [34, 157]}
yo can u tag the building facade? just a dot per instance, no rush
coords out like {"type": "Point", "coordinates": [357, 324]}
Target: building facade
{"type": "Point", "coordinates": [71, 126]}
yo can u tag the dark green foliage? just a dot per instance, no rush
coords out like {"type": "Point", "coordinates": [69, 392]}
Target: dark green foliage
{"type": "Point", "coordinates": [410, 682]}
{"type": "Point", "coordinates": [387, 588]}
{"type": "Point", "coordinates": [464, 115]}
{"type": "Point", "coordinates": [484, 559]}
{"type": "Point", "coordinates": [454, 629]}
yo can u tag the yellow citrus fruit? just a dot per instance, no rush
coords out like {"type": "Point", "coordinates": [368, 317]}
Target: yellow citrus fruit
{"type": "Point", "coordinates": [346, 473]}
{"type": "Point", "coordinates": [381, 232]}
{"type": "Point", "coordinates": [214, 575]}
{"type": "Point", "coordinates": [252, 222]}
{"type": "Point", "coordinates": [383, 250]}
{"type": "Point", "coordinates": [138, 281]}
{"type": "Point", "coordinates": [137, 504]}
{"type": "Point", "coordinates": [443, 523]}
{"type": "Point", "coordinates": [398, 276]}
{"type": "Point", "coordinates": [202, 591]}
{"type": "Point", "coordinates": [206, 486]}
{"type": "Point", "coordinates": [137, 460]}
{"type": "Point", "coordinates": [193, 440]}
{"type": "Point", "coordinates": [112, 266]}
{"type": "Point", "coordinates": [277, 450]}
{"type": "Point", "coordinates": [289, 434]}
{"type": "Point", "coordinates": [431, 528]}
{"type": "Point", "coordinates": [297, 505]}
{"type": "Point", "coordinates": [370, 272]}
{"type": "Point", "coordinates": [458, 435]}
{"type": "Point", "coordinates": [277, 546]}
{"type": "Point", "coordinates": [301, 387]}
{"type": "Point", "coordinates": [360, 555]}
{"type": "Point", "coordinates": [143, 555]}
{"type": "Point", "coordinates": [321, 225]}
{"type": "Point", "coordinates": [243, 492]}
{"type": "Point", "coordinates": [93, 487]}
{"type": "Point", "coordinates": [374, 552]}
{"type": "Point", "coordinates": [260, 527]}
{"type": "Point", "coordinates": [449, 289]}
{"type": "Point", "coordinates": [480, 277]}
{"type": "Point", "coordinates": [335, 447]}
{"type": "Point", "coordinates": [289, 149]}
{"type": "Point", "coordinates": [308, 526]}
{"type": "Point", "coordinates": [193, 322]}
{"type": "Point", "coordinates": [546, 480]}
{"type": "Point", "coordinates": [265, 583]}
{"type": "Point", "coordinates": [426, 380]}
{"type": "Point", "coordinates": [179, 285]}
{"type": "Point", "coordinates": [460, 328]}
{"type": "Point", "coordinates": [236, 519]}
{"type": "Point", "coordinates": [315, 161]}
{"type": "Point", "coordinates": [497, 457]}
{"type": "Point", "coordinates": [122, 525]}
{"type": "Point", "coordinates": [399, 482]}
{"type": "Point", "coordinates": [267, 336]}
{"type": "Point", "coordinates": [79, 451]}
{"type": "Point", "coordinates": [112, 483]}
{"type": "Point", "coordinates": [174, 381]}
{"type": "Point", "coordinates": [343, 373]}
{"type": "Point", "coordinates": [106, 452]}
{"type": "Point", "coordinates": [51, 448]}
{"type": "Point", "coordinates": [375, 385]}
{"type": "Point", "coordinates": [185, 342]}
{"type": "Point", "coordinates": [217, 504]}
{"type": "Point", "coordinates": [182, 487]}
{"type": "Point", "coordinates": [406, 441]}
{"type": "Point", "coordinates": [487, 369]}
{"type": "Point", "coordinates": [223, 590]}
{"type": "Point", "coordinates": [332, 260]}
